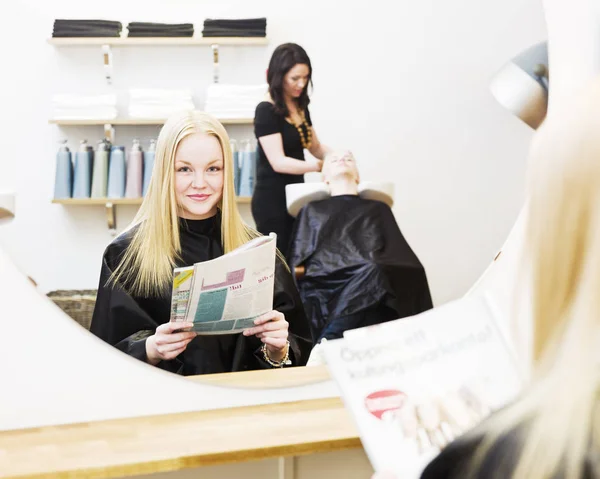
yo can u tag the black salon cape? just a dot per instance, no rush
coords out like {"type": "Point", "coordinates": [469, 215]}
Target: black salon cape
{"type": "Point", "coordinates": [355, 258]}
{"type": "Point", "coordinates": [125, 320]}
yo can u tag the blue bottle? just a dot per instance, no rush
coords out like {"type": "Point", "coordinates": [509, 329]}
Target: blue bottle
{"type": "Point", "coordinates": [236, 166]}
{"type": "Point", "coordinates": [100, 172]}
{"type": "Point", "coordinates": [116, 172]}
{"type": "Point", "coordinates": [148, 165]}
{"type": "Point", "coordinates": [90, 150]}
{"type": "Point", "coordinates": [135, 167]}
{"type": "Point", "coordinates": [248, 168]}
{"type": "Point", "coordinates": [63, 180]}
{"type": "Point", "coordinates": [82, 183]}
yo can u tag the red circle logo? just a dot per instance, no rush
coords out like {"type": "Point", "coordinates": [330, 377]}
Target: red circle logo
{"type": "Point", "coordinates": [380, 402]}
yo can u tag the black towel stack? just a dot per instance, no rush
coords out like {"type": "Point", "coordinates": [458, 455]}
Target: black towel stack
{"type": "Point", "coordinates": [248, 27]}
{"type": "Point", "coordinates": [142, 29]}
{"type": "Point", "coordinates": [86, 28]}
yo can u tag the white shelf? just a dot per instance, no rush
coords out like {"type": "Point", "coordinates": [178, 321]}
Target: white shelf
{"type": "Point", "coordinates": [116, 201]}
{"type": "Point", "coordinates": [111, 205]}
{"type": "Point", "coordinates": [157, 41]}
{"type": "Point", "coordinates": [140, 121]}
{"type": "Point", "coordinates": [97, 201]}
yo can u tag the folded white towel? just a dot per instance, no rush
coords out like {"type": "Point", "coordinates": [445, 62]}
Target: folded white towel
{"type": "Point", "coordinates": [167, 104]}
{"type": "Point", "coordinates": [229, 115]}
{"type": "Point", "coordinates": [229, 90]}
{"type": "Point", "coordinates": [247, 110]}
{"type": "Point", "coordinates": [152, 94]}
{"type": "Point", "coordinates": [68, 100]}
{"type": "Point", "coordinates": [141, 111]}
{"type": "Point", "coordinates": [162, 102]}
{"type": "Point", "coordinates": [231, 103]}
{"type": "Point", "coordinates": [158, 102]}
{"type": "Point", "coordinates": [96, 113]}
{"type": "Point", "coordinates": [248, 98]}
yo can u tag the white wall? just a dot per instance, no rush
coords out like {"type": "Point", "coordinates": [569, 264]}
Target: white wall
{"type": "Point", "coordinates": [407, 91]}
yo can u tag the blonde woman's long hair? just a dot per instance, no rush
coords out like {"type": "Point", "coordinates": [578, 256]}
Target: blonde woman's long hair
{"type": "Point", "coordinates": [147, 265]}
{"type": "Point", "coordinates": [557, 418]}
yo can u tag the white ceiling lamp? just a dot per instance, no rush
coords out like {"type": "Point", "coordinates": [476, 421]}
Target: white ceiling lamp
{"type": "Point", "coordinates": [7, 206]}
{"type": "Point", "coordinates": [522, 85]}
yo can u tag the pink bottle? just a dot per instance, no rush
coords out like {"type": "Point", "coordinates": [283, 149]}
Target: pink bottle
{"type": "Point", "coordinates": [135, 168]}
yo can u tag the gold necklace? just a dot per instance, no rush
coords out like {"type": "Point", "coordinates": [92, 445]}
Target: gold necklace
{"type": "Point", "coordinates": [306, 141]}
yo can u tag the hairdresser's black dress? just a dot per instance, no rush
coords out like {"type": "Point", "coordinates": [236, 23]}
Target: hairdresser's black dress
{"type": "Point", "coordinates": [268, 200]}
{"type": "Point", "coordinates": [125, 320]}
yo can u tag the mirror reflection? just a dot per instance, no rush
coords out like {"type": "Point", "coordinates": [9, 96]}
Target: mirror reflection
{"type": "Point", "coordinates": [184, 290]}
{"type": "Point", "coordinates": [276, 138]}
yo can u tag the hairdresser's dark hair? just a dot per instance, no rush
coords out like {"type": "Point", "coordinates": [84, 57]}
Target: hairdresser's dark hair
{"type": "Point", "coordinates": [284, 58]}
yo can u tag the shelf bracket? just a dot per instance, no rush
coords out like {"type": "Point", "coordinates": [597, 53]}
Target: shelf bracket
{"type": "Point", "coordinates": [109, 133]}
{"type": "Point", "coordinates": [108, 64]}
{"type": "Point", "coordinates": [111, 217]}
{"type": "Point", "coordinates": [215, 50]}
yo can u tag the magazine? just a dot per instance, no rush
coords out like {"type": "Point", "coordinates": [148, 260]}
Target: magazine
{"type": "Point", "coordinates": [415, 384]}
{"type": "Point", "coordinates": [226, 294]}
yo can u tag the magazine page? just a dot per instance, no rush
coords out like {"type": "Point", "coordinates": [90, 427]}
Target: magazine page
{"type": "Point", "coordinates": [414, 384]}
{"type": "Point", "coordinates": [225, 295]}
{"type": "Point", "coordinates": [183, 279]}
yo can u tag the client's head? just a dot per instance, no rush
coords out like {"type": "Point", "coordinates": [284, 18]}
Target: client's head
{"type": "Point", "coordinates": [340, 166]}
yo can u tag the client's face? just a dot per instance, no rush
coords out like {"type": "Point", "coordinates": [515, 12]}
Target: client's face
{"type": "Point", "coordinates": [340, 165]}
{"type": "Point", "coordinates": [198, 176]}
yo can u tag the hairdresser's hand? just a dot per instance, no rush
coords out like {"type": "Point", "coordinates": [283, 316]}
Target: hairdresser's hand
{"type": "Point", "coordinates": [272, 329]}
{"type": "Point", "coordinates": [314, 164]}
{"type": "Point", "coordinates": [168, 342]}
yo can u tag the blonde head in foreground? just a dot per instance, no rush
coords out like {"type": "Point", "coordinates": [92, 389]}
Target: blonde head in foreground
{"type": "Point", "coordinates": [557, 416]}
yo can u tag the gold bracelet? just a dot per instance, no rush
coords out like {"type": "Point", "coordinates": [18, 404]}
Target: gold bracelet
{"type": "Point", "coordinates": [276, 364]}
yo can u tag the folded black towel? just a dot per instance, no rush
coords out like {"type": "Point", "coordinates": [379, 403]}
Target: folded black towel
{"type": "Point", "coordinates": [168, 30]}
{"type": "Point", "coordinates": [89, 23]}
{"type": "Point", "coordinates": [86, 28]}
{"type": "Point", "coordinates": [245, 29]}
{"type": "Point", "coordinates": [92, 34]}
{"type": "Point", "coordinates": [242, 27]}
{"type": "Point", "coordinates": [81, 28]}
{"type": "Point", "coordinates": [144, 29]}
{"type": "Point", "coordinates": [151, 34]}
{"type": "Point", "coordinates": [160, 26]}
{"type": "Point", "coordinates": [236, 23]}
{"type": "Point", "coordinates": [233, 33]}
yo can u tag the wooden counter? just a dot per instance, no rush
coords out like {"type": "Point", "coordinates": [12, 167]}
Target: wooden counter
{"type": "Point", "coordinates": [116, 448]}
{"type": "Point", "coordinates": [274, 378]}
